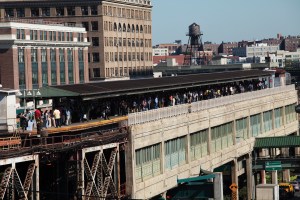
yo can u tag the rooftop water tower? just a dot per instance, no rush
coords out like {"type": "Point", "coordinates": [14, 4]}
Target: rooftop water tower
{"type": "Point", "coordinates": [194, 51]}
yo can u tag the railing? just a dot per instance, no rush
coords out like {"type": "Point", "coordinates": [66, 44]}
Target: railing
{"type": "Point", "coordinates": [10, 143]}
{"type": "Point", "coordinates": [211, 103]}
{"type": "Point", "coordinates": [157, 114]}
{"type": "Point", "coordinates": [38, 144]}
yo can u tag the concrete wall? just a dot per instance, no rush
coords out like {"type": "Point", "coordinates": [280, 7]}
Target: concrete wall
{"type": "Point", "coordinates": [7, 111]}
{"type": "Point", "coordinates": [159, 131]}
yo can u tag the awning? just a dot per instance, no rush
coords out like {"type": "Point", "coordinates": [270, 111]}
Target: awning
{"type": "Point", "coordinates": [277, 142]}
{"type": "Point", "coordinates": [51, 92]}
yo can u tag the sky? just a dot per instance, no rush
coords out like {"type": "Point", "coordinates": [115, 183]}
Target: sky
{"type": "Point", "coordinates": [224, 20]}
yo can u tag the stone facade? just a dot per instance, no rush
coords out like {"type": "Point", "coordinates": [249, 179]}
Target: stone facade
{"type": "Point", "coordinates": [211, 114]}
{"type": "Point", "coordinates": [120, 31]}
{"type": "Point", "coordinates": [34, 55]}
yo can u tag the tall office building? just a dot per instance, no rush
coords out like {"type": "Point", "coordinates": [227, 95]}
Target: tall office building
{"type": "Point", "coordinates": [38, 53]}
{"type": "Point", "coordinates": [120, 31]}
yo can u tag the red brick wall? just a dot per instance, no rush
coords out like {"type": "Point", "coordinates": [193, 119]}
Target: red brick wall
{"type": "Point", "coordinates": [9, 68]}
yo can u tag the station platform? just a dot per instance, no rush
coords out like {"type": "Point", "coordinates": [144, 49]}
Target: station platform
{"type": "Point", "coordinates": [78, 126]}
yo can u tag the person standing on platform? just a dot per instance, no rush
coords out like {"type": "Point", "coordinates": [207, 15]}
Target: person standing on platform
{"type": "Point", "coordinates": [38, 120]}
{"type": "Point", "coordinates": [56, 114]}
{"type": "Point", "coordinates": [68, 116]}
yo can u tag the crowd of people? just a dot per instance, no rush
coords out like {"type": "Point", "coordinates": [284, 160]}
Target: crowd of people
{"type": "Point", "coordinates": [40, 119]}
{"type": "Point", "coordinates": [74, 111]}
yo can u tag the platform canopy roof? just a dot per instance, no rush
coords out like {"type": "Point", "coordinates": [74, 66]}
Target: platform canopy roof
{"type": "Point", "coordinates": [277, 142]}
{"type": "Point", "coordinates": [104, 89]}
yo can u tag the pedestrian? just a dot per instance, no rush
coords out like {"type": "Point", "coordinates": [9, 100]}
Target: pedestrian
{"type": "Point", "coordinates": [56, 114]}
{"type": "Point", "coordinates": [68, 115]}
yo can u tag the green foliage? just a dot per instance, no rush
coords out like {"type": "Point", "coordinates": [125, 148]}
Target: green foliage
{"type": "Point", "coordinates": [293, 178]}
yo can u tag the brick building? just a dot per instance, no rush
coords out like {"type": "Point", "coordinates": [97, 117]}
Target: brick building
{"type": "Point", "coordinates": [33, 55]}
{"type": "Point", "coordinates": [226, 48]}
{"type": "Point", "coordinates": [120, 31]}
{"type": "Point", "coordinates": [290, 43]}
{"type": "Point", "coordinates": [173, 48]}
{"type": "Point", "coordinates": [208, 46]}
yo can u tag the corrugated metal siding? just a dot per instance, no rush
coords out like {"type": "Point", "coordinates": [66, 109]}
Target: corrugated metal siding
{"type": "Point", "coordinates": [277, 142]}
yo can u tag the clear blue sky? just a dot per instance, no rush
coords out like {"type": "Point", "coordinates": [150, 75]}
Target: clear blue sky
{"type": "Point", "coordinates": [224, 20]}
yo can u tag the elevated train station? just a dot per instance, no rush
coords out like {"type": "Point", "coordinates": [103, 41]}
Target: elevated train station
{"type": "Point", "coordinates": [141, 155]}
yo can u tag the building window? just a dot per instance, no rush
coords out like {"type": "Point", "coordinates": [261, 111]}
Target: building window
{"type": "Point", "coordinates": [290, 114]}
{"type": "Point", "coordinates": [60, 11]}
{"type": "Point", "coordinates": [81, 65]}
{"type": "Point", "coordinates": [95, 41]}
{"type": "Point", "coordinates": [96, 72]}
{"type": "Point", "coordinates": [71, 11]}
{"type": "Point", "coordinates": [44, 55]}
{"type": "Point", "coordinates": [9, 12]}
{"type": "Point", "coordinates": [59, 36]}
{"type": "Point", "coordinates": [20, 34]}
{"type": "Point", "coordinates": [34, 66]}
{"type": "Point", "coordinates": [221, 136]}
{"type": "Point", "coordinates": [44, 66]}
{"type": "Point", "coordinates": [53, 66]}
{"type": "Point", "coordinates": [68, 36]}
{"type": "Point", "coordinates": [20, 12]}
{"type": "Point", "coordinates": [84, 10]}
{"type": "Point", "coordinates": [278, 117]}
{"type": "Point", "coordinates": [175, 152]}
{"type": "Point", "coordinates": [255, 125]}
{"type": "Point", "coordinates": [20, 55]}
{"type": "Point", "coordinates": [148, 162]}
{"type": "Point", "coordinates": [94, 25]}
{"type": "Point", "coordinates": [80, 37]}
{"type": "Point", "coordinates": [70, 55]}
{"type": "Point", "coordinates": [96, 57]}
{"type": "Point", "coordinates": [63, 36]}
{"type": "Point", "coordinates": [70, 65]}
{"type": "Point", "coordinates": [267, 120]}
{"type": "Point", "coordinates": [94, 10]}
{"type": "Point", "coordinates": [31, 34]}
{"type": "Point", "coordinates": [85, 25]}
{"type": "Point", "coordinates": [33, 55]}
{"type": "Point", "coordinates": [46, 11]}
{"type": "Point", "coordinates": [50, 36]}
{"type": "Point", "coordinates": [62, 73]}
{"type": "Point", "coordinates": [45, 35]}
{"type": "Point", "coordinates": [54, 35]}
{"type": "Point", "coordinates": [198, 144]}
{"type": "Point", "coordinates": [41, 35]}
{"type": "Point", "coordinates": [61, 55]}
{"type": "Point", "coordinates": [34, 12]}
{"type": "Point", "coordinates": [241, 128]}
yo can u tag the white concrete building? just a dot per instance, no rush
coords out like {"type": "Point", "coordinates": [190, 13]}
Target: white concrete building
{"type": "Point", "coordinates": [7, 110]}
{"type": "Point", "coordinates": [160, 51]}
{"type": "Point", "coordinates": [255, 50]}
{"type": "Point", "coordinates": [174, 142]}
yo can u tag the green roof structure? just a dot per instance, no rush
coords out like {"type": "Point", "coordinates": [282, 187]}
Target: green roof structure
{"type": "Point", "coordinates": [277, 142]}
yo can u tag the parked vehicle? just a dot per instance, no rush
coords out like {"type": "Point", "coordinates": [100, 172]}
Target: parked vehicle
{"type": "Point", "coordinates": [286, 190]}
{"type": "Point", "coordinates": [296, 185]}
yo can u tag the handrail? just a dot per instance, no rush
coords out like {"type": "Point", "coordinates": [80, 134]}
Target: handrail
{"type": "Point", "coordinates": [59, 142]}
{"type": "Point", "coordinates": [161, 113]}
